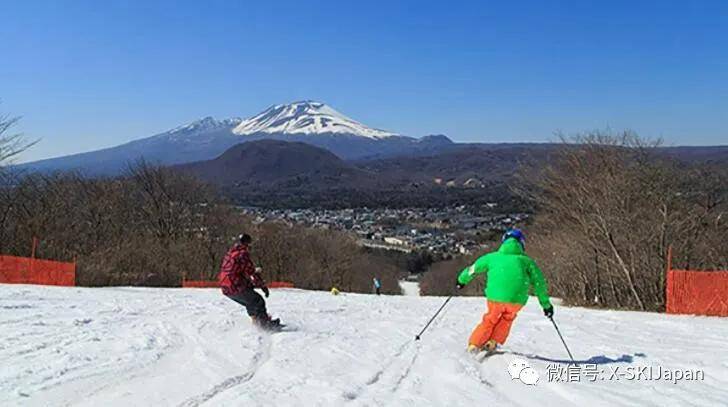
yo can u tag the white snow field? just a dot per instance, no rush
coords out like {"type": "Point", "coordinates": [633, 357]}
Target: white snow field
{"type": "Point", "coordinates": [410, 288]}
{"type": "Point", "coordinates": [190, 347]}
{"type": "Point", "coordinates": [306, 117]}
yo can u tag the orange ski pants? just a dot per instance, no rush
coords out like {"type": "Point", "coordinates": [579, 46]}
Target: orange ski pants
{"type": "Point", "coordinates": [496, 323]}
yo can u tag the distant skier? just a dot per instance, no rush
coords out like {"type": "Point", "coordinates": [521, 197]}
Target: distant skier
{"type": "Point", "coordinates": [377, 285]}
{"type": "Point", "coordinates": [239, 277]}
{"type": "Point", "coordinates": [510, 274]}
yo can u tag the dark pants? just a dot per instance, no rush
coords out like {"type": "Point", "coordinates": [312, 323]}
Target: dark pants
{"type": "Point", "coordinates": [252, 301]}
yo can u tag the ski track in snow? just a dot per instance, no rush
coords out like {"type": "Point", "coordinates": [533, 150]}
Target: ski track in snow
{"type": "Point", "coordinates": [193, 347]}
{"type": "Point", "coordinates": [230, 382]}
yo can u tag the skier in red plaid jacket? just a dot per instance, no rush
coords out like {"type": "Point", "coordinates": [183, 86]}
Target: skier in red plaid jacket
{"type": "Point", "coordinates": [239, 278]}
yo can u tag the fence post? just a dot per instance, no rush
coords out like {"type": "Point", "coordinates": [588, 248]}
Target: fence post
{"type": "Point", "coordinates": [669, 283]}
{"type": "Point", "coordinates": [75, 267]}
{"type": "Point", "coordinates": [31, 261]}
{"type": "Point", "coordinates": [34, 246]}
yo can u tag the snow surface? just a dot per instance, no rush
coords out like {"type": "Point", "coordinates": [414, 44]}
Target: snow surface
{"type": "Point", "coordinates": [307, 117]}
{"type": "Point", "coordinates": [205, 124]}
{"type": "Point", "coordinates": [191, 347]}
{"type": "Point", "coordinates": [411, 288]}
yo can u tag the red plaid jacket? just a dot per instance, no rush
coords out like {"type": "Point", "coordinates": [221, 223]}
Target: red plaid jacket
{"type": "Point", "coordinates": [237, 272]}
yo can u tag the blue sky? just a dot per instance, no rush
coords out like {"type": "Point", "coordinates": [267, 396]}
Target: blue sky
{"type": "Point", "coordinates": [86, 75]}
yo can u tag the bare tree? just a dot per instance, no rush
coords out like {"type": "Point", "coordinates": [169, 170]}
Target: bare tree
{"type": "Point", "coordinates": [154, 225]}
{"type": "Point", "coordinates": [11, 144]}
{"type": "Point", "coordinates": [608, 207]}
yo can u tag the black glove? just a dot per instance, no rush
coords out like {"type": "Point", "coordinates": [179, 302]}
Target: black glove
{"type": "Point", "coordinates": [458, 285]}
{"type": "Point", "coordinates": [549, 312]}
{"type": "Point", "coordinates": [266, 291]}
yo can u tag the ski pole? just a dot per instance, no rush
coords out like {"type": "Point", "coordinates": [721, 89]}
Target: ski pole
{"type": "Point", "coordinates": [417, 338]}
{"type": "Point", "coordinates": [562, 340]}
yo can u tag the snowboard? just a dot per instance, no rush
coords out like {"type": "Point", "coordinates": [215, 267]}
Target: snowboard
{"type": "Point", "coordinates": [276, 328]}
{"type": "Point", "coordinates": [273, 326]}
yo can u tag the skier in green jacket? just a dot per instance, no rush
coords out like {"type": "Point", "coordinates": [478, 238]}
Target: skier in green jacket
{"type": "Point", "coordinates": [510, 275]}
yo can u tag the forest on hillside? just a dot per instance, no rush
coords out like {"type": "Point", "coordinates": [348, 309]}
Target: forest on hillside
{"type": "Point", "coordinates": [607, 210]}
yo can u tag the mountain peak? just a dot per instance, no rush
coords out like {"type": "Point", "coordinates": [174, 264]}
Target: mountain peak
{"type": "Point", "coordinates": [204, 124]}
{"type": "Point", "coordinates": [306, 117]}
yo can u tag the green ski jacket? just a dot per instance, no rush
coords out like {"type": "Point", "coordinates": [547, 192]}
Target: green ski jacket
{"type": "Point", "coordinates": [511, 273]}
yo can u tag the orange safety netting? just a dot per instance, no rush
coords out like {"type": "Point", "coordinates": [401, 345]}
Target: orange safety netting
{"type": "Point", "coordinates": [25, 270]}
{"type": "Point", "coordinates": [215, 284]}
{"type": "Point", "coordinates": [697, 292]}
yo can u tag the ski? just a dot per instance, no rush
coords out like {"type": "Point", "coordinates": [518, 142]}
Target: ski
{"type": "Point", "coordinates": [483, 355]}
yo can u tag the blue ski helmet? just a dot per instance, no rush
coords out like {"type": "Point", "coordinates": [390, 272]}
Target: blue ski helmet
{"type": "Point", "coordinates": [516, 234]}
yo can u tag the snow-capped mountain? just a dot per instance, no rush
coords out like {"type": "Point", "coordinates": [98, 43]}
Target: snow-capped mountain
{"type": "Point", "coordinates": [199, 140]}
{"type": "Point", "coordinates": [309, 122]}
{"type": "Point", "coordinates": [207, 124]}
{"type": "Point", "coordinates": [306, 117]}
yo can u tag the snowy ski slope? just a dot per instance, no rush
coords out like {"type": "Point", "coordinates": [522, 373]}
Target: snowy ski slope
{"type": "Point", "coordinates": [192, 347]}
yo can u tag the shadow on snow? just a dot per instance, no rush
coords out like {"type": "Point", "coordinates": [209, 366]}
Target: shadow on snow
{"type": "Point", "coordinates": [594, 360]}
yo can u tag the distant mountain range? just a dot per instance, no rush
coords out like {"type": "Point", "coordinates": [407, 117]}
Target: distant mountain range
{"type": "Point", "coordinates": [276, 173]}
{"type": "Point", "coordinates": [309, 122]}
{"type": "Point", "coordinates": [353, 153]}
{"type": "Point", "coordinates": [274, 164]}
